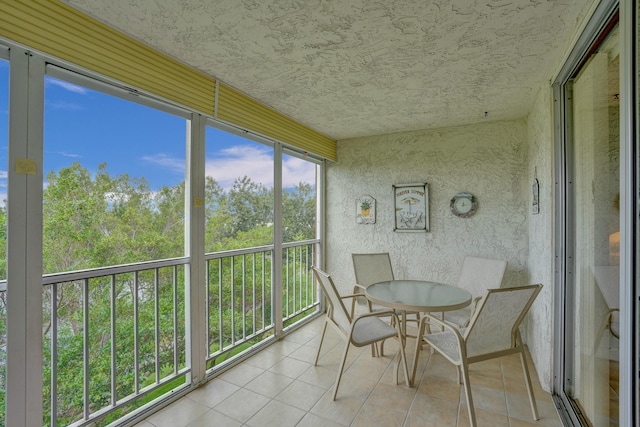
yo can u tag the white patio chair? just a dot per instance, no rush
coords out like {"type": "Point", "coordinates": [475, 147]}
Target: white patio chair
{"type": "Point", "coordinates": [492, 333]}
{"type": "Point", "coordinates": [369, 269]}
{"type": "Point", "coordinates": [363, 330]}
{"type": "Point", "coordinates": [476, 276]}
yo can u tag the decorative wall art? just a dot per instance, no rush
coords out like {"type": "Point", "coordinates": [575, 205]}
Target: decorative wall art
{"type": "Point", "coordinates": [366, 210]}
{"type": "Point", "coordinates": [411, 202]}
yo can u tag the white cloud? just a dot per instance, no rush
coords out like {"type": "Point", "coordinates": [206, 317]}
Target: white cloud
{"type": "Point", "coordinates": [166, 161]}
{"type": "Point", "coordinates": [68, 86]}
{"type": "Point", "coordinates": [295, 170]}
{"type": "Point", "coordinates": [238, 161]}
{"type": "Point", "coordinates": [65, 154]}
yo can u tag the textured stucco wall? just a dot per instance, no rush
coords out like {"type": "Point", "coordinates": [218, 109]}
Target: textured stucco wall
{"type": "Point", "coordinates": [497, 162]}
{"type": "Point", "coordinates": [488, 160]}
{"type": "Point", "coordinates": [541, 247]}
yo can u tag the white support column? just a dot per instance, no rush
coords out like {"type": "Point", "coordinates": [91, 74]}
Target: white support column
{"type": "Point", "coordinates": [276, 285]}
{"type": "Point", "coordinates": [24, 240]}
{"type": "Point", "coordinates": [195, 295]}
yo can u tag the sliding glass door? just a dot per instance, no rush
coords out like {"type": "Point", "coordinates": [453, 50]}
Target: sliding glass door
{"type": "Point", "coordinates": [590, 361]}
{"type": "Point", "coordinates": [594, 337]}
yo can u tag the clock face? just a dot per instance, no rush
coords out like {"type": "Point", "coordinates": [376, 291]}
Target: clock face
{"type": "Point", "coordinates": [463, 205]}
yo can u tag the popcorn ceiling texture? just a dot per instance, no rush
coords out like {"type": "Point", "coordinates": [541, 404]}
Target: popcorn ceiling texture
{"type": "Point", "coordinates": [488, 160]}
{"type": "Point", "coordinates": [352, 68]}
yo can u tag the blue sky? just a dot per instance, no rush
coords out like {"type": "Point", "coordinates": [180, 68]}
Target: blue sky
{"type": "Point", "coordinates": [90, 127]}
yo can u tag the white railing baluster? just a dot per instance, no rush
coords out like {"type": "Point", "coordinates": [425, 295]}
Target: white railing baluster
{"type": "Point", "coordinates": [244, 297]}
{"type": "Point", "coordinates": [156, 310]}
{"type": "Point", "coordinates": [175, 320]}
{"type": "Point", "coordinates": [54, 355]}
{"type": "Point", "coordinates": [114, 390]}
{"type": "Point", "coordinates": [136, 337]}
{"type": "Point", "coordinates": [85, 361]}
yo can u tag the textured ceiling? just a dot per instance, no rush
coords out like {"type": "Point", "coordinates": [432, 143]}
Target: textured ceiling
{"type": "Point", "coordinates": [351, 68]}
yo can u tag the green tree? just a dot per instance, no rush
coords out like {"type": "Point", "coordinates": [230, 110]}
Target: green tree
{"type": "Point", "coordinates": [299, 213]}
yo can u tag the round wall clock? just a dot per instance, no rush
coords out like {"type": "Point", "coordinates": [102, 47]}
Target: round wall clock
{"type": "Point", "coordinates": [463, 205]}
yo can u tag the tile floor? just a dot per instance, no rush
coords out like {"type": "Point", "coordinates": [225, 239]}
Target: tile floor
{"type": "Point", "coordinates": [280, 387]}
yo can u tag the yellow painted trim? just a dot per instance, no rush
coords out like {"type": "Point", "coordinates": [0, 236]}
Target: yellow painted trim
{"type": "Point", "coordinates": [61, 31]}
{"type": "Point", "coordinates": [243, 111]}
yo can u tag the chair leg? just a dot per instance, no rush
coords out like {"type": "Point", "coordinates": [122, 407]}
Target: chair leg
{"type": "Point", "coordinates": [464, 367]}
{"type": "Point", "coordinates": [416, 353]}
{"type": "Point", "coordinates": [324, 330]}
{"type": "Point", "coordinates": [342, 363]}
{"type": "Point", "coordinates": [403, 358]}
{"type": "Point", "coordinates": [527, 379]}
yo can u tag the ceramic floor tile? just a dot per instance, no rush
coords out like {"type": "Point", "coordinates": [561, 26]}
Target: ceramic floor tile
{"type": "Point", "coordinates": [521, 423]}
{"type": "Point", "coordinates": [279, 386]}
{"type": "Point", "coordinates": [214, 392]}
{"type": "Point", "coordinates": [356, 386]}
{"type": "Point", "coordinates": [269, 384]}
{"type": "Point", "coordinates": [320, 376]}
{"type": "Point", "coordinates": [305, 353]}
{"type": "Point", "coordinates": [283, 347]}
{"type": "Point", "coordinates": [214, 418]}
{"type": "Point", "coordinates": [483, 418]}
{"type": "Point", "coordinates": [519, 408]}
{"type": "Point", "coordinates": [241, 375]}
{"type": "Point", "coordinates": [391, 396]}
{"type": "Point", "coordinates": [370, 367]}
{"type": "Point", "coordinates": [313, 420]}
{"type": "Point", "coordinates": [442, 388]}
{"type": "Point", "coordinates": [342, 411]}
{"type": "Point", "coordinates": [276, 414]}
{"type": "Point", "coordinates": [301, 336]}
{"type": "Point", "coordinates": [379, 416]}
{"type": "Point", "coordinates": [242, 405]}
{"type": "Point", "coordinates": [488, 399]}
{"type": "Point", "coordinates": [291, 367]}
{"type": "Point", "coordinates": [438, 366]}
{"type": "Point", "coordinates": [264, 360]}
{"type": "Point", "coordinates": [178, 414]}
{"type": "Point", "coordinates": [414, 421]}
{"type": "Point", "coordinates": [437, 411]}
{"type": "Point", "coordinates": [301, 395]}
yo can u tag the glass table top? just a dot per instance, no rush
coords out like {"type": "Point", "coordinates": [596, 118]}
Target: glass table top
{"type": "Point", "coordinates": [418, 295]}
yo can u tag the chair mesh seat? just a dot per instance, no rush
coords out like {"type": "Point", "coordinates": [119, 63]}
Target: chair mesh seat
{"type": "Point", "coordinates": [446, 342]}
{"type": "Point", "coordinates": [458, 317]}
{"type": "Point", "coordinates": [371, 329]}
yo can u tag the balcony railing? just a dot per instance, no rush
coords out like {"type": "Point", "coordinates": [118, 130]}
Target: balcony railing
{"type": "Point", "coordinates": [114, 338]}
{"type": "Point", "coordinates": [239, 285]}
{"type": "Point", "coordinates": [119, 332]}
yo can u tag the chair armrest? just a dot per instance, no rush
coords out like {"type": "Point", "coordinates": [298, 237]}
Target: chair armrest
{"type": "Point", "coordinates": [428, 318]}
{"type": "Point", "coordinates": [350, 296]}
{"type": "Point", "coordinates": [358, 292]}
{"type": "Point", "coordinates": [432, 320]}
{"type": "Point", "coordinates": [358, 288]}
{"type": "Point", "coordinates": [474, 304]}
{"type": "Point", "coordinates": [376, 314]}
